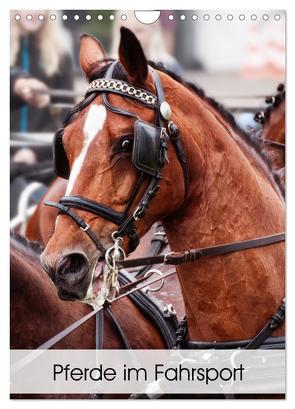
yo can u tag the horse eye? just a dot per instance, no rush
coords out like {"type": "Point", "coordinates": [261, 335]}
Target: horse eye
{"type": "Point", "coordinates": [126, 145]}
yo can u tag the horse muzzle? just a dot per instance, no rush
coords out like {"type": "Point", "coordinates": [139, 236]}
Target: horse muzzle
{"type": "Point", "coordinates": [71, 274]}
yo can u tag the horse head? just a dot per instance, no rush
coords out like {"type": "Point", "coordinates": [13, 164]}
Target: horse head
{"type": "Point", "coordinates": [114, 151]}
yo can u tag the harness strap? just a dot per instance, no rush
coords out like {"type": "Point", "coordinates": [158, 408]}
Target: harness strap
{"type": "Point", "coordinates": [261, 340]}
{"type": "Point", "coordinates": [99, 209]}
{"type": "Point", "coordinates": [158, 242]}
{"type": "Point", "coordinates": [154, 310]}
{"type": "Point", "coordinates": [174, 133]}
{"type": "Point", "coordinates": [269, 343]}
{"type": "Point", "coordinates": [274, 143]}
{"type": "Point", "coordinates": [176, 141]}
{"type": "Point", "coordinates": [96, 208]}
{"type": "Point", "coordinates": [81, 223]}
{"type": "Point", "coordinates": [193, 255]}
{"type": "Point", "coordinates": [99, 324]}
{"type": "Point", "coordinates": [117, 110]}
{"type": "Point", "coordinates": [276, 321]}
{"type": "Point", "coordinates": [127, 287]}
{"type": "Point", "coordinates": [118, 328]}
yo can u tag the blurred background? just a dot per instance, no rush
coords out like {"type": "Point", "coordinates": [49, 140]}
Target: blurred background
{"type": "Point", "coordinates": [237, 57]}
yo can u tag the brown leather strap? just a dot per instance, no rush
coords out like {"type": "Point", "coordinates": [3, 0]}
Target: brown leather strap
{"type": "Point", "coordinates": [81, 223]}
{"type": "Point", "coordinates": [275, 322]}
{"type": "Point", "coordinates": [274, 143]}
{"type": "Point", "coordinates": [195, 254]}
{"type": "Point", "coordinates": [135, 287]}
{"type": "Point", "coordinates": [125, 288]}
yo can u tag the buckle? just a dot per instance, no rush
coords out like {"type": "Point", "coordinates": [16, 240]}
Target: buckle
{"type": "Point", "coordinates": [85, 228]}
{"type": "Point", "coordinates": [136, 214]}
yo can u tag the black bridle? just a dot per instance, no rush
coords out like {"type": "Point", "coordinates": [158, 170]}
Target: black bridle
{"type": "Point", "coordinates": [168, 130]}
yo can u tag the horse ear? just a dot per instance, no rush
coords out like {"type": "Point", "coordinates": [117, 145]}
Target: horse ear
{"type": "Point", "coordinates": [91, 52]}
{"type": "Point", "coordinates": [132, 57]}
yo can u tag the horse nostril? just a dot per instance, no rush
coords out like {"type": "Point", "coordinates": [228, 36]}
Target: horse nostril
{"type": "Point", "coordinates": [74, 265]}
{"type": "Point", "coordinates": [47, 268]}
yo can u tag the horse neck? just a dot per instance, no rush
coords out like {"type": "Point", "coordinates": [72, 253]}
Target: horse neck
{"type": "Point", "coordinates": [231, 198]}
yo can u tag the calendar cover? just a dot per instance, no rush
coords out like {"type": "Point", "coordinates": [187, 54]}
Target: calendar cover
{"type": "Point", "coordinates": [147, 185]}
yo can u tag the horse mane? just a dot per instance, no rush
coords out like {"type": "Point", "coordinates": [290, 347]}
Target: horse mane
{"type": "Point", "coordinates": [252, 139]}
{"type": "Point", "coordinates": [34, 247]}
{"type": "Point", "coordinates": [263, 116]}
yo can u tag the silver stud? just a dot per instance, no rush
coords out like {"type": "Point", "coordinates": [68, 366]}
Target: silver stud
{"type": "Point", "coordinates": [165, 110]}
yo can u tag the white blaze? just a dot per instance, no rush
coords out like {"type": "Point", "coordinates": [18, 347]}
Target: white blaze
{"type": "Point", "coordinates": [93, 124]}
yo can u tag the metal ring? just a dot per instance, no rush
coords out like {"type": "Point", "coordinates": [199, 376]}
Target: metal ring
{"type": "Point", "coordinates": [149, 273]}
{"type": "Point", "coordinates": [108, 255]}
{"type": "Point", "coordinates": [116, 238]}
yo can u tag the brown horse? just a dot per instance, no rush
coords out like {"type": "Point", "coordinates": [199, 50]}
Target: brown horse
{"type": "Point", "coordinates": [232, 196]}
{"type": "Point", "coordinates": [273, 131]}
{"type": "Point", "coordinates": [41, 227]}
{"type": "Point", "coordinates": [37, 314]}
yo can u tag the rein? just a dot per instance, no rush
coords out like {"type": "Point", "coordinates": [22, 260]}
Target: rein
{"type": "Point", "coordinates": [176, 258]}
{"type": "Point", "coordinates": [68, 330]}
{"type": "Point", "coordinates": [274, 143]}
{"type": "Point", "coordinates": [195, 254]}
{"type": "Point", "coordinates": [263, 337]}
